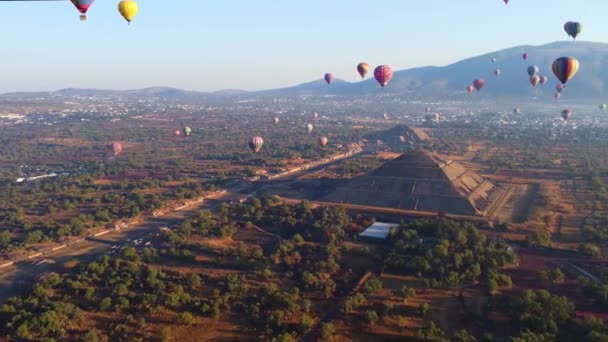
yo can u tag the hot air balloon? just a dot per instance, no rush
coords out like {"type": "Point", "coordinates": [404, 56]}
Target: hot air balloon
{"type": "Point", "coordinates": [329, 78]}
{"type": "Point", "coordinates": [573, 28]}
{"type": "Point", "coordinates": [255, 144]}
{"type": "Point", "coordinates": [323, 141]}
{"type": "Point", "coordinates": [178, 133]}
{"type": "Point", "coordinates": [187, 131]}
{"type": "Point", "coordinates": [557, 96]}
{"type": "Point", "coordinates": [363, 69]}
{"type": "Point", "coordinates": [402, 138]}
{"type": "Point", "coordinates": [383, 75]}
{"type": "Point", "coordinates": [516, 111]}
{"type": "Point", "coordinates": [494, 60]}
{"type": "Point", "coordinates": [603, 106]}
{"type": "Point", "coordinates": [506, 2]}
{"type": "Point", "coordinates": [559, 87]}
{"type": "Point", "coordinates": [534, 80]}
{"type": "Point", "coordinates": [432, 118]}
{"type": "Point", "coordinates": [566, 114]}
{"type": "Point", "coordinates": [470, 88]}
{"type": "Point", "coordinates": [525, 56]}
{"type": "Point", "coordinates": [116, 148]}
{"type": "Point", "coordinates": [315, 116]}
{"type": "Point", "coordinates": [532, 70]}
{"type": "Point", "coordinates": [543, 80]}
{"type": "Point", "coordinates": [276, 120]}
{"type": "Point", "coordinates": [83, 7]}
{"type": "Point", "coordinates": [428, 109]}
{"type": "Point", "coordinates": [128, 9]}
{"type": "Point", "coordinates": [309, 128]}
{"type": "Point", "coordinates": [497, 72]}
{"type": "Point", "coordinates": [565, 68]}
{"type": "Point", "coordinates": [385, 116]}
{"type": "Point", "coordinates": [478, 84]}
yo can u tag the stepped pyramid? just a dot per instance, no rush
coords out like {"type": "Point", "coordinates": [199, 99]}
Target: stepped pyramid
{"type": "Point", "coordinates": [418, 180]}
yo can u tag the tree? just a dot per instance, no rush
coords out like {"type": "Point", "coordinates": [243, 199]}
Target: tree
{"type": "Point", "coordinates": [463, 336]}
{"type": "Point", "coordinates": [424, 309]}
{"type": "Point", "coordinates": [105, 303]}
{"type": "Point", "coordinates": [589, 249]}
{"type": "Point", "coordinates": [327, 331]}
{"type": "Point", "coordinates": [185, 318]}
{"type": "Point", "coordinates": [306, 322]}
{"type": "Point", "coordinates": [91, 336]}
{"type": "Point", "coordinates": [371, 317]}
{"type": "Point", "coordinates": [5, 239]}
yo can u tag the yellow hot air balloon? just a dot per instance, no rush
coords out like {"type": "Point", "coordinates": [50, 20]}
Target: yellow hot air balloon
{"type": "Point", "coordinates": [128, 9]}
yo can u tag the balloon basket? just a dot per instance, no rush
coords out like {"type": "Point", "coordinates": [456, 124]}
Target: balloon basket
{"type": "Point", "coordinates": [83, 18]}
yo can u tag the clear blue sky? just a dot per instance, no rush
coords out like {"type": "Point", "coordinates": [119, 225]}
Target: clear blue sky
{"type": "Point", "coordinates": [247, 44]}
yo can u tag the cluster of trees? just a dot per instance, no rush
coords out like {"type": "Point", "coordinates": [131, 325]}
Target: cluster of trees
{"type": "Point", "coordinates": [446, 253]}
{"type": "Point", "coordinates": [598, 292]}
{"type": "Point", "coordinates": [542, 316]}
{"type": "Point", "coordinates": [81, 204]}
{"type": "Point", "coordinates": [302, 267]}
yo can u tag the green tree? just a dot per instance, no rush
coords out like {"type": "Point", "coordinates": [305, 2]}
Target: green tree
{"type": "Point", "coordinates": [306, 322]}
{"type": "Point", "coordinates": [105, 304]}
{"type": "Point", "coordinates": [424, 309]}
{"type": "Point", "coordinates": [91, 336]}
{"type": "Point", "coordinates": [371, 317]}
{"type": "Point", "coordinates": [327, 331]}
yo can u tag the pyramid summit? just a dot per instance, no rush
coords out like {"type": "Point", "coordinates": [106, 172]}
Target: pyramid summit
{"type": "Point", "coordinates": [419, 180]}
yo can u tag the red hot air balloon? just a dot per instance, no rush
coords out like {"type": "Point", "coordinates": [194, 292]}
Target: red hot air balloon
{"type": "Point", "coordinates": [178, 133]}
{"type": "Point", "coordinates": [323, 141]}
{"type": "Point", "coordinates": [566, 114]}
{"type": "Point", "coordinates": [478, 84]}
{"type": "Point", "coordinates": [83, 7]}
{"type": "Point", "coordinates": [363, 69]}
{"type": "Point", "coordinates": [383, 74]}
{"type": "Point", "coordinates": [525, 56]}
{"type": "Point", "coordinates": [329, 78]}
{"type": "Point", "coordinates": [116, 148]}
{"type": "Point", "coordinates": [255, 144]}
{"type": "Point", "coordinates": [470, 88]}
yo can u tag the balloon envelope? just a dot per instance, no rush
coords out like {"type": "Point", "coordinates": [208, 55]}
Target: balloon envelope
{"type": "Point", "coordinates": [565, 68]}
{"type": "Point", "coordinates": [573, 28]}
{"type": "Point", "coordinates": [383, 74]}
{"type": "Point", "coordinates": [329, 78]}
{"type": "Point", "coordinates": [255, 144]}
{"type": "Point", "coordinates": [532, 70]}
{"type": "Point", "coordinates": [534, 80]}
{"type": "Point", "coordinates": [566, 114]}
{"type": "Point", "coordinates": [363, 69]}
{"type": "Point", "coordinates": [525, 56]}
{"type": "Point", "coordinates": [187, 131]}
{"type": "Point", "coordinates": [478, 84]}
{"type": "Point", "coordinates": [322, 141]}
{"type": "Point", "coordinates": [128, 9]}
{"type": "Point", "coordinates": [470, 88]}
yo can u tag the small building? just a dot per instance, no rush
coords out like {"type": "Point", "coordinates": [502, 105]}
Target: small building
{"type": "Point", "coordinates": [378, 231]}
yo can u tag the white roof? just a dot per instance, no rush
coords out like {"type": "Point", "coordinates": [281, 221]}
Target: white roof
{"type": "Point", "coordinates": [378, 230]}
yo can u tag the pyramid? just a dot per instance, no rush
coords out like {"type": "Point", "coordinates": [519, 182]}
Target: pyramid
{"type": "Point", "coordinates": [420, 181]}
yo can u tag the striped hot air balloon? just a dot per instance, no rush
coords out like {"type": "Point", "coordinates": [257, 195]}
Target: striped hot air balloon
{"type": "Point", "coordinates": [83, 7]}
{"type": "Point", "coordinates": [363, 69]}
{"type": "Point", "coordinates": [255, 144]}
{"type": "Point", "coordinates": [565, 68]}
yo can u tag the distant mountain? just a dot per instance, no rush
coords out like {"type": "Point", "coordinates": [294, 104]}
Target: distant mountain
{"type": "Point", "coordinates": [591, 80]}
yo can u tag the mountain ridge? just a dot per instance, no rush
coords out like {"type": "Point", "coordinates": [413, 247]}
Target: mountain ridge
{"type": "Point", "coordinates": [451, 79]}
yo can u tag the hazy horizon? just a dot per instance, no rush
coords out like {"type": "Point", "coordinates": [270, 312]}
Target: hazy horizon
{"type": "Point", "coordinates": [262, 45]}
